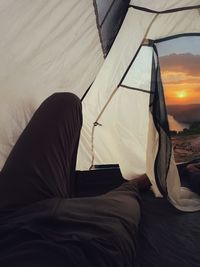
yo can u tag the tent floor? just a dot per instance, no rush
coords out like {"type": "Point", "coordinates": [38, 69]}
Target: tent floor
{"type": "Point", "coordinates": [98, 181]}
{"type": "Point", "coordinates": [105, 178]}
{"type": "Point", "coordinates": [167, 236]}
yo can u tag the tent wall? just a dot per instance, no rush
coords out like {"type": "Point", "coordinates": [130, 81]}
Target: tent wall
{"type": "Point", "coordinates": [133, 142]}
{"type": "Point", "coordinates": [46, 46]}
{"type": "Point", "coordinates": [124, 122]}
{"type": "Point", "coordinates": [107, 81]}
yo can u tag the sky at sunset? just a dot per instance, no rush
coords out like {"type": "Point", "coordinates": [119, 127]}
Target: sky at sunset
{"type": "Point", "coordinates": [180, 70]}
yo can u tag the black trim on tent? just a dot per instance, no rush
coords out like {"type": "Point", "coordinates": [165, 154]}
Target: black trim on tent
{"type": "Point", "coordinates": [164, 11]}
{"type": "Point", "coordinates": [158, 110]}
{"type": "Point", "coordinates": [110, 15]}
{"type": "Point", "coordinates": [148, 42]}
{"type": "Point", "coordinates": [164, 121]}
{"type": "Point", "coordinates": [98, 26]}
{"type": "Point", "coordinates": [129, 66]}
{"type": "Point", "coordinates": [108, 11]}
{"type": "Point", "coordinates": [86, 92]}
{"type": "Point", "coordinates": [175, 36]}
{"type": "Point", "coordinates": [136, 89]}
{"type": "Point", "coordinates": [151, 99]}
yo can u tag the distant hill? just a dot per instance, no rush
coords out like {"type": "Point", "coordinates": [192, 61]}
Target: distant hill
{"type": "Point", "coordinates": [185, 113]}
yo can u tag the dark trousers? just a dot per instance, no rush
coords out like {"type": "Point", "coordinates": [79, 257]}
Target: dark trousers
{"type": "Point", "coordinates": [42, 163]}
{"type": "Point", "coordinates": [40, 224]}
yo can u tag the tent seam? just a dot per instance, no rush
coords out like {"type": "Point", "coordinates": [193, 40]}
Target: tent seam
{"type": "Point", "coordinates": [106, 15]}
{"type": "Point", "coordinates": [164, 11]}
{"type": "Point", "coordinates": [175, 36]}
{"type": "Point", "coordinates": [98, 27]}
{"type": "Point", "coordinates": [136, 89]}
{"type": "Point", "coordinates": [97, 124]}
{"type": "Point", "coordinates": [133, 59]}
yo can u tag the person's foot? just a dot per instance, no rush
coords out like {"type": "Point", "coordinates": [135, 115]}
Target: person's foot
{"type": "Point", "coordinates": [143, 182]}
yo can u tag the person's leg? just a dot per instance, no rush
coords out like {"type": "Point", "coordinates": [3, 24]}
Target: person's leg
{"type": "Point", "coordinates": [41, 163]}
{"type": "Point", "coordinates": [119, 210]}
{"type": "Point", "coordinates": [126, 199]}
{"type": "Point", "coordinates": [140, 184]}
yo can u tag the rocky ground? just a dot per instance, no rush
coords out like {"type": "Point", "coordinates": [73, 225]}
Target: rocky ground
{"type": "Point", "coordinates": [186, 147]}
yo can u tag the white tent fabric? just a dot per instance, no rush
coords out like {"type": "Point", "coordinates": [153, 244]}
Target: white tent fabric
{"type": "Point", "coordinates": [116, 63]}
{"type": "Point", "coordinates": [120, 130]}
{"type": "Point", "coordinates": [114, 140]}
{"type": "Point", "coordinates": [186, 22]}
{"type": "Point", "coordinates": [46, 46]}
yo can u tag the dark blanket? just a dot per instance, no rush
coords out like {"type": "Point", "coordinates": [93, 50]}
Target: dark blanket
{"type": "Point", "coordinates": [168, 237]}
{"type": "Point", "coordinates": [98, 231]}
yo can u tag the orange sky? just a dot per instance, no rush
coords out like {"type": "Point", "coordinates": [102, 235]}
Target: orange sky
{"type": "Point", "coordinates": [181, 78]}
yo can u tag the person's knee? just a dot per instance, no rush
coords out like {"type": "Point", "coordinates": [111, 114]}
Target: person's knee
{"type": "Point", "coordinates": [63, 102]}
{"type": "Point", "coordinates": [65, 97]}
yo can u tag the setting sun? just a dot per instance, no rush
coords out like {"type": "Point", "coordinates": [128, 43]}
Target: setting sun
{"type": "Point", "coordinates": [181, 94]}
{"type": "Point", "coordinates": [181, 79]}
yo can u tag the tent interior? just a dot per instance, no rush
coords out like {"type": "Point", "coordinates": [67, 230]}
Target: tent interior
{"type": "Point", "coordinates": [107, 53]}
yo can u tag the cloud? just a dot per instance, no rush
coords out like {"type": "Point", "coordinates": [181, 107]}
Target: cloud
{"type": "Point", "coordinates": [187, 63]}
{"type": "Point", "coordinates": [190, 80]}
